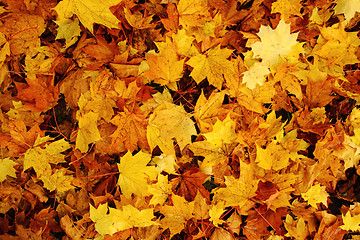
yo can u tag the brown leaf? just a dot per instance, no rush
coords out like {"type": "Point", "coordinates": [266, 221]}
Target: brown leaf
{"type": "Point", "coordinates": [188, 183]}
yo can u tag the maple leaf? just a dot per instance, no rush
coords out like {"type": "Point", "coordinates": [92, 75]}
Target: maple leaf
{"type": "Point", "coordinates": [273, 157]}
{"type": "Point", "coordinates": [134, 174]}
{"type": "Point", "coordinates": [284, 74]}
{"type": "Point", "coordinates": [160, 191]}
{"type": "Point", "coordinates": [189, 183]}
{"type": "Point", "coordinates": [216, 211]}
{"type": "Point", "coordinates": [177, 215]}
{"type": "Point", "coordinates": [27, 40]}
{"type": "Point", "coordinates": [7, 168]}
{"type": "Point", "coordinates": [40, 158]}
{"type": "Point", "coordinates": [212, 65]}
{"type": "Point", "coordinates": [351, 222]}
{"type": "Point", "coordinates": [256, 75]}
{"type": "Point", "coordinates": [111, 220]}
{"type": "Point", "coordinates": [208, 110]}
{"type": "Point", "coordinates": [130, 132]}
{"type": "Point", "coordinates": [39, 93]}
{"type": "Point", "coordinates": [238, 192]}
{"type": "Point", "coordinates": [316, 194]}
{"type": "Point", "coordinates": [169, 121]}
{"type": "Point", "coordinates": [347, 7]}
{"type": "Point", "coordinates": [58, 181]}
{"type": "Point", "coordinates": [276, 44]}
{"type": "Point", "coordinates": [336, 48]}
{"type": "Point", "coordinates": [192, 13]}
{"type": "Point", "coordinates": [297, 229]}
{"type": "Point", "coordinates": [69, 30]}
{"type": "Point", "coordinates": [287, 8]}
{"type": "Point", "coordinates": [137, 20]}
{"type": "Point", "coordinates": [88, 131]}
{"type": "Point", "coordinates": [213, 155]}
{"type": "Point", "coordinates": [165, 67]}
{"type": "Point", "coordinates": [166, 163]}
{"type": "Point", "coordinates": [185, 43]}
{"type": "Point", "coordinates": [88, 12]}
{"type": "Point", "coordinates": [223, 132]}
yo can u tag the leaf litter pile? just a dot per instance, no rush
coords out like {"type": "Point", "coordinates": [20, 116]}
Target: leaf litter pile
{"type": "Point", "coordinates": [184, 119]}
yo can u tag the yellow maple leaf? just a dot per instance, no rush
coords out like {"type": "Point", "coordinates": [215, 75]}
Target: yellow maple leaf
{"type": "Point", "coordinates": [273, 157]}
{"type": "Point", "coordinates": [287, 8]}
{"type": "Point", "coordinates": [275, 44]}
{"type": "Point", "coordinates": [212, 65]}
{"type": "Point", "coordinates": [166, 163]}
{"type": "Point", "coordinates": [351, 223]}
{"type": "Point", "coordinates": [165, 67]}
{"type": "Point", "coordinates": [347, 7]}
{"type": "Point", "coordinates": [111, 220]}
{"type": "Point", "coordinates": [69, 30]}
{"type": "Point", "coordinates": [223, 132]}
{"type": "Point", "coordinates": [40, 158]}
{"type": "Point", "coordinates": [184, 43]}
{"type": "Point", "coordinates": [297, 229]}
{"type": "Point", "coordinates": [177, 215]}
{"type": "Point", "coordinates": [207, 111]}
{"type": "Point", "coordinates": [238, 192]}
{"type": "Point", "coordinates": [213, 155]}
{"type": "Point", "coordinates": [58, 181]}
{"type": "Point", "coordinates": [192, 13]}
{"type": "Point", "coordinates": [137, 20]}
{"type": "Point", "coordinates": [216, 211]}
{"type": "Point", "coordinates": [134, 174]}
{"type": "Point", "coordinates": [88, 131]}
{"type": "Point", "coordinates": [316, 194]}
{"type": "Point", "coordinates": [169, 121]}
{"type": "Point", "coordinates": [160, 190]}
{"type": "Point", "coordinates": [130, 132]}
{"type": "Point", "coordinates": [255, 75]}
{"type": "Point", "coordinates": [88, 12]}
{"type": "Point", "coordinates": [7, 168]}
{"type": "Point", "coordinates": [335, 48]}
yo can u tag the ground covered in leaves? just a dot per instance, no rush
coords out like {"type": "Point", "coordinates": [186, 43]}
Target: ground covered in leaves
{"type": "Point", "coordinates": [184, 119]}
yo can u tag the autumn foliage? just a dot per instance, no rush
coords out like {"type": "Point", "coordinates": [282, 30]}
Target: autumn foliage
{"type": "Point", "coordinates": [184, 119]}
